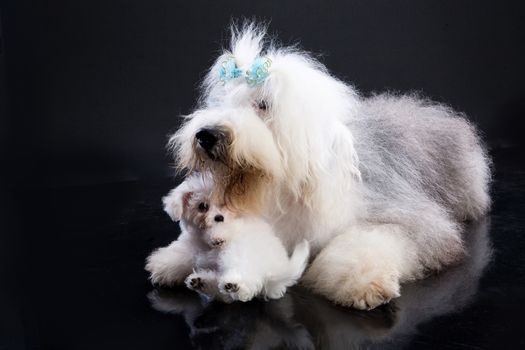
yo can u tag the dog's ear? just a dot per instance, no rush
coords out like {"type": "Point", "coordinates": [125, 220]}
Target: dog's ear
{"type": "Point", "coordinates": [186, 200]}
{"type": "Point", "coordinates": [176, 202]}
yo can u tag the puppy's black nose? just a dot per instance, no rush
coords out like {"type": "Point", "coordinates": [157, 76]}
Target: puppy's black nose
{"type": "Point", "coordinates": [207, 138]}
{"type": "Point", "coordinates": [219, 218]}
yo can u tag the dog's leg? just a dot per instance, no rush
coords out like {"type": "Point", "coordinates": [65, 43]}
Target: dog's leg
{"type": "Point", "coordinates": [362, 268]}
{"type": "Point", "coordinates": [170, 265]}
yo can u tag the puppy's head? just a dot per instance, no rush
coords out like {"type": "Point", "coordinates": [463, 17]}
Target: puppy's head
{"type": "Point", "coordinates": [194, 203]}
{"type": "Point", "coordinates": [218, 215]}
{"type": "Point", "coordinates": [204, 212]}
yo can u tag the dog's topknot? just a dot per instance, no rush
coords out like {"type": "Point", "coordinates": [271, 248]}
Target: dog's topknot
{"type": "Point", "coordinates": [247, 41]}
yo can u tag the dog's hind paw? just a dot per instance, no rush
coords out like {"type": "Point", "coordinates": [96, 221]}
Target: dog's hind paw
{"type": "Point", "coordinates": [237, 290]}
{"type": "Point", "coordinates": [194, 282]}
{"type": "Point", "coordinates": [231, 287]}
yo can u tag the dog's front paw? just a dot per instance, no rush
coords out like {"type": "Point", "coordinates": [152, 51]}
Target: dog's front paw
{"type": "Point", "coordinates": [352, 292]}
{"type": "Point", "coordinates": [372, 295]}
{"type": "Point", "coordinates": [362, 286]}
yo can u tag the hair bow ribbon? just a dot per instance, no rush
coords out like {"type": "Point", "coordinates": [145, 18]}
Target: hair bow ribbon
{"type": "Point", "coordinates": [256, 74]}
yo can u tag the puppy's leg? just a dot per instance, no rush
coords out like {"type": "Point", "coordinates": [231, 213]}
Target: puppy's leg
{"type": "Point", "coordinates": [236, 287]}
{"type": "Point", "coordinates": [363, 267]}
{"type": "Point", "coordinates": [240, 279]}
{"type": "Point", "coordinates": [170, 265]}
{"type": "Point", "coordinates": [204, 282]}
{"type": "Point", "coordinates": [217, 241]}
{"type": "Point", "coordinates": [275, 290]}
{"type": "Point", "coordinates": [216, 237]}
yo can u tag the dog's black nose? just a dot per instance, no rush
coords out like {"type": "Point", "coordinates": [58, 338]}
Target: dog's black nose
{"type": "Point", "coordinates": [219, 218]}
{"type": "Point", "coordinates": [207, 138]}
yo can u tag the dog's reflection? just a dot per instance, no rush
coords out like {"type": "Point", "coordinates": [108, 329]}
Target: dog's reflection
{"type": "Point", "coordinates": [301, 320]}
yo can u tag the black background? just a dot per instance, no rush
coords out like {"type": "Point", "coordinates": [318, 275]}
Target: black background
{"type": "Point", "coordinates": [96, 86]}
{"type": "Point", "coordinates": [90, 90]}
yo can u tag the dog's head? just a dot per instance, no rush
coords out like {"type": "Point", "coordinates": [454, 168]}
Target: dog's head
{"type": "Point", "coordinates": [269, 119]}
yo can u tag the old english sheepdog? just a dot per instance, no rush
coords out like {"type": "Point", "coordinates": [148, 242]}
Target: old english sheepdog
{"type": "Point", "coordinates": [227, 255]}
{"type": "Point", "coordinates": [379, 186]}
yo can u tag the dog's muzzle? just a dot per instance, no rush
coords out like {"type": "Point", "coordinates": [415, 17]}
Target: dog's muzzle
{"type": "Point", "coordinates": [207, 138]}
{"type": "Point", "coordinates": [210, 140]}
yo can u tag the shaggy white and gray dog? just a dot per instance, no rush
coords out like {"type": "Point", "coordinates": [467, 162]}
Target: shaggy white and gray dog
{"type": "Point", "coordinates": [379, 186]}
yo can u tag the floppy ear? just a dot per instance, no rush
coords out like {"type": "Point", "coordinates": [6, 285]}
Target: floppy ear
{"type": "Point", "coordinates": [176, 201]}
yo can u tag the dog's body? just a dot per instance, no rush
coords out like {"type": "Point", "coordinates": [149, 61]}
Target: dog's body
{"type": "Point", "coordinates": [379, 186]}
{"type": "Point", "coordinates": [227, 256]}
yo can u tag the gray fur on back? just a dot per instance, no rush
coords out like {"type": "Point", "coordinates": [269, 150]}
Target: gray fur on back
{"type": "Point", "coordinates": [423, 167]}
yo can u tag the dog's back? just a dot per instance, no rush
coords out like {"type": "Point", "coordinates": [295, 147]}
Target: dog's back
{"type": "Point", "coordinates": [411, 147]}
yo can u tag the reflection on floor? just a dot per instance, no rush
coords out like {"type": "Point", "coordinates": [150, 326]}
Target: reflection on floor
{"type": "Point", "coordinates": [75, 279]}
{"type": "Point", "coordinates": [301, 320]}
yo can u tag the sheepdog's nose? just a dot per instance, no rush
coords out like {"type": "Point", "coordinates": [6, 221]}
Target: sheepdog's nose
{"type": "Point", "coordinates": [207, 138]}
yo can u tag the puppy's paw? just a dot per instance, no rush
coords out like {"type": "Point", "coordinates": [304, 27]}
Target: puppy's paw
{"type": "Point", "coordinates": [276, 292]}
{"type": "Point", "coordinates": [194, 282]}
{"type": "Point", "coordinates": [237, 290]}
{"type": "Point", "coordinates": [231, 287]}
{"type": "Point", "coordinates": [204, 282]}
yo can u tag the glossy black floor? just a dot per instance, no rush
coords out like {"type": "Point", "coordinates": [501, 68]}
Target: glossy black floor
{"type": "Point", "coordinates": [76, 281]}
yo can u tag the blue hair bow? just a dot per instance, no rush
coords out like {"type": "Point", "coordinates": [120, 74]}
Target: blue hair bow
{"type": "Point", "coordinates": [257, 73]}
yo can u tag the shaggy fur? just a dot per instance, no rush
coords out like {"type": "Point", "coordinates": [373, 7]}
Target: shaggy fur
{"type": "Point", "coordinates": [380, 186]}
{"type": "Point", "coordinates": [233, 257]}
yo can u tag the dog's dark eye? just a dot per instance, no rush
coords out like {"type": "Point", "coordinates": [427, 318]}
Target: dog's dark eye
{"type": "Point", "coordinates": [203, 207]}
{"type": "Point", "coordinates": [262, 105]}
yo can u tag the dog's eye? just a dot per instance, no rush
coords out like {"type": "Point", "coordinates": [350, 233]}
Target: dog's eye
{"type": "Point", "coordinates": [203, 207]}
{"type": "Point", "coordinates": [262, 105]}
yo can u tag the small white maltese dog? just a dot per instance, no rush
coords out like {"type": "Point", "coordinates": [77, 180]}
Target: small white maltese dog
{"type": "Point", "coordinates": [380, 186]}
{"type": "Point", "coordinates": [227, 256]}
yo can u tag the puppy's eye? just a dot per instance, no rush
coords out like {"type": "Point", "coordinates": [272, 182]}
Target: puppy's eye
{"type": "Point", "coordinates": [203, 207]}
{"type": "Point", "coordinates": [262, 105]}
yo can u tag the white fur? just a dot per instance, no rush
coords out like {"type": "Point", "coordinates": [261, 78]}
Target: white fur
{"type": "Point", "coordinates": [238, 258]}
{"type": "Point", "coordinates": [380, 186]}
{"type": "Point", "coordinates": [254, 260]}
